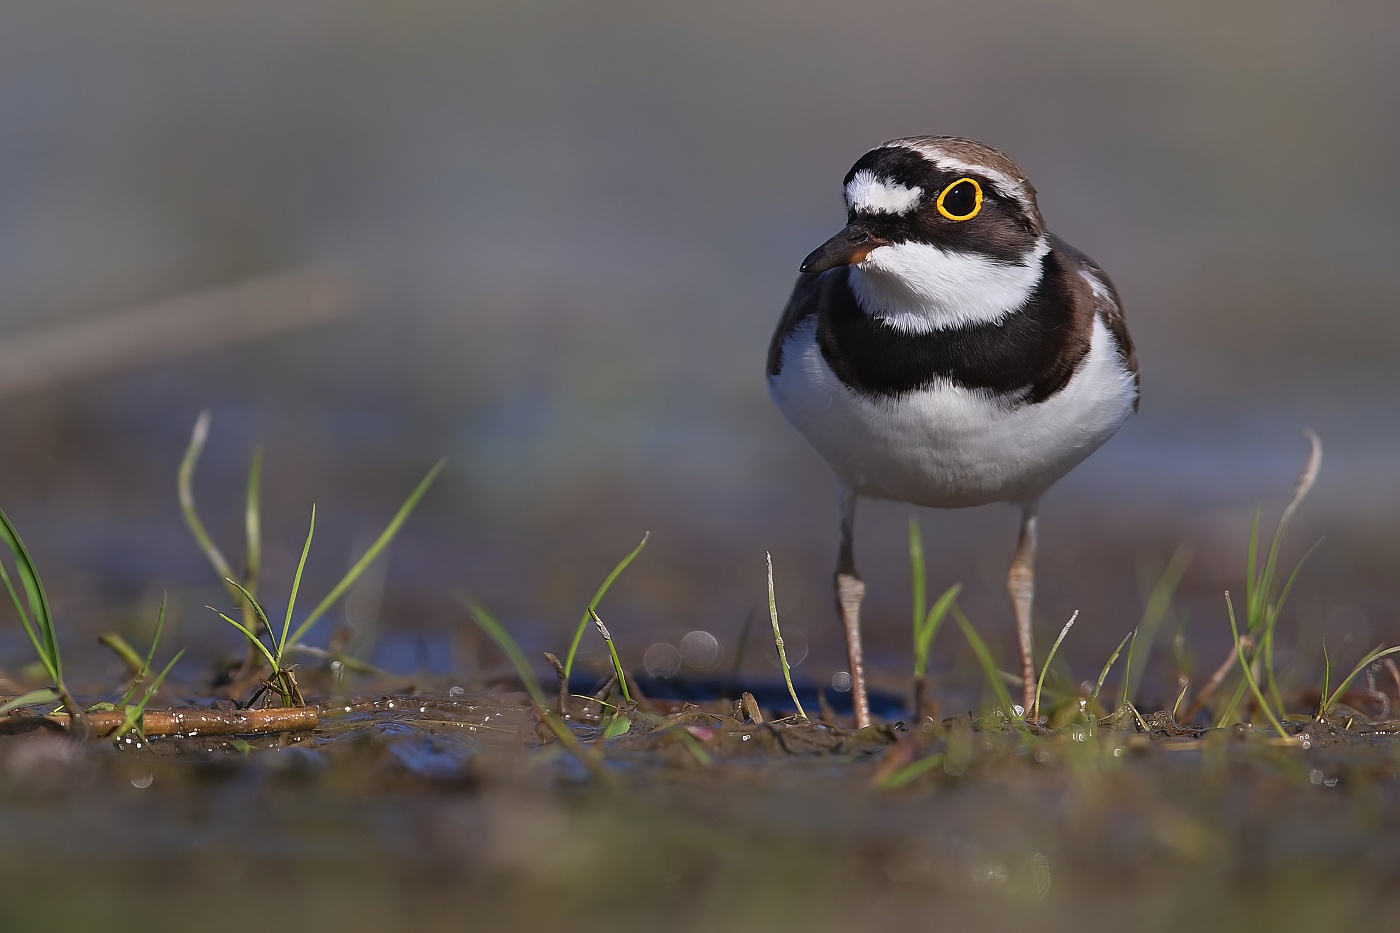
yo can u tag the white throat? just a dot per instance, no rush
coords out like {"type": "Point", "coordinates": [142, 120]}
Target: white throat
{"type": "Point", "coordinates": [919, 288]}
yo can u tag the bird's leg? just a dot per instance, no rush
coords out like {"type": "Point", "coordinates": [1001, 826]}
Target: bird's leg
{"type": "Point", "coordinates": [1020, 583]}
{"type": "Point", "coordinates": [850, 590]}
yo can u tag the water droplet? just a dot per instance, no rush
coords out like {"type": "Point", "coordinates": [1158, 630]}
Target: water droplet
{"type": "Point", "coordinates": [142, 781]}
{"type": "Point", "coordinates": [456, 692]}
{"type": "Point", "coordinates": [841, 681]}
{"type": "Point", "coordinates": [1315, 776]}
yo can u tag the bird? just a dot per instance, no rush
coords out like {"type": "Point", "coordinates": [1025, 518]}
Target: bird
{"type": "Point", "coordinates": [944, 349]}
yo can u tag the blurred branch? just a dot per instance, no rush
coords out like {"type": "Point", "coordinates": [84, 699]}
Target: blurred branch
{"type": "Point", "coordinates": [121, 340]}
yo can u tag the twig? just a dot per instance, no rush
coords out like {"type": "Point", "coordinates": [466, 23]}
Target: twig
{"type": "Point", "coordinates": [194, 721]}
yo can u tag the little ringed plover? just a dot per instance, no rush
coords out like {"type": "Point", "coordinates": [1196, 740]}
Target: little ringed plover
{"type": "Point", "coordinates": [945, 349]}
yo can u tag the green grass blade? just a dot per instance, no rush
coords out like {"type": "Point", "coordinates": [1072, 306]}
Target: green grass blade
{"type": "Point", "coordinates": [503, 639]}
{"type": "Point", "coordinates": [618, 724]}
{"type": "Point", "coordinates": [135, 713]}
{"type": "Point", "coordinates": [917, 570]}
{"type": "Point", "coordinates": [1366, 662]}
{"type": "Point", "coordinates": [145, 666]}
{"type": "Point", "coordinates": [1181, 695]}
{"type": "Point", "coordinates": [1245, 666]}
{"type": "Point", "coordinates": [497, 632]}
{"type": "Point", "coordinates": [185, 486]}
{"type": "Point", "coordinates": [697, 750]}
{"type": "Point", "coordinates": [32, 698]}
{"type": "Point", "coordinates": [296, 584]}
{"type": "Point", "coordinates": [41, 632]}
{"type": "Point", "coordinates": [932, 622]}
{"type": "Point", "coordinates": [988, 664]}
{"type": "Point", "coordinates": [1326, 681]}
{"type": "Point", "coordinates": [1045, 668]}
{"type": "Point", "coordinates": [1274, 610]}
{"type": "Point", "coordinates": [252, 521]}
{"type": "Point", "coordinates": [1108, 665]}
{"type": "Point", "coordinates": [1159, 603]}
{"type": "Point", "coordinates": [380, 543]}
{"type": "Point", "coordinates": [249, 635]}
{"type": "Point", "coordinates": [902, 776]}
{"type": "Point", "coordinates": [25, 622]}
{"type": "Point", "coordinates": [597, 598]}
{"type": "Point", "coordinates": [1124, 700]}
{"type": "Point", "coordinates": [122, 649]}
{"type": "Point", "coordinates": [1251, 569]}
{"type": "Point", "coordinates": [257, 610]}
{"type": "Point", "coordinates": [612, 650]}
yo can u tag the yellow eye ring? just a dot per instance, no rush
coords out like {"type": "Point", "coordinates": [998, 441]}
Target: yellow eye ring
{"type": "Point", "coordinates": [976, 202]}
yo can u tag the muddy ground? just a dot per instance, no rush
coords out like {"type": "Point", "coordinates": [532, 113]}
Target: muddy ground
{"type": "Point", "coordinates": [448, 812]}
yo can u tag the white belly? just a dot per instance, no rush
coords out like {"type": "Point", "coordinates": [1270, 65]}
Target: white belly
{"type": "Point", "coordinates": [947, 446]}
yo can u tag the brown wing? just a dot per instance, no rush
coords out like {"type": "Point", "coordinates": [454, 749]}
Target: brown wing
{"type": "Point", "coordinates": [803, 303]}
{"type": "Point", "coordinates": [1108, 307]}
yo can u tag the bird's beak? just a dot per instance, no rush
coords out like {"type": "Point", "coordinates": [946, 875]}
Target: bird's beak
{"type": "Point", "coordinates": [851, 245]}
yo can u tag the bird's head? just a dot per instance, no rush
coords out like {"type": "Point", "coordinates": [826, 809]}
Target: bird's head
{"type": "Point", "coordinates": [941, 232]}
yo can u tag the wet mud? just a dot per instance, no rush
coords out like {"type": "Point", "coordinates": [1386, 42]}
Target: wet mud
{"type": "Point", "coordinates": [459, 811]}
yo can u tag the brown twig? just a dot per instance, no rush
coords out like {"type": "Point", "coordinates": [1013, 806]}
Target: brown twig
{"type": "Point", "coordinates": [194, 721]}
{"type": "Point", "coordinates": [563, 683]}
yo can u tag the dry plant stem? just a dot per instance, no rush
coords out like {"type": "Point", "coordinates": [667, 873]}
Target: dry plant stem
{"type": "Point", "coordinates": [194, 721]}
{"type": "Point", "coordinates": [920, 697]}
{"type": "Point", "coordinates": [778, 640]}
{"type": "Point", "coordinates": [558, 667]}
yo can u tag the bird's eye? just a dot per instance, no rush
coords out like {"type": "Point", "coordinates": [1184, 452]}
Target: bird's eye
{"type": "Point", "coordinates": [961, 200]}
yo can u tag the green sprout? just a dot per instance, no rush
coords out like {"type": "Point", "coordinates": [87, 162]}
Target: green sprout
{"type": "Point", "coordinates": [38, 624]}
{"type": "Point", "coordinates": [255, 623]}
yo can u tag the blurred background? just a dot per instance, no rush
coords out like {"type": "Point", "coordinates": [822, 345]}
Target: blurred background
{"type": "Point", "coordinates": [550, 240]}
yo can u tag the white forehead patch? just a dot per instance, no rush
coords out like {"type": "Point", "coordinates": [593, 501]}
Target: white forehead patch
{"type": "Point", "coordinates": [865, 192]}
{"type": "Point", "coordinates": [1005, 184]}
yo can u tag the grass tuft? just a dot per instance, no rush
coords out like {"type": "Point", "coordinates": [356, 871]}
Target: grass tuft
{"type": "Point", "coordinates": [244, 594]}
{"type": "Point", "coordinates": [1265, 595]}
{"type": "Point", "coordinates": [37, 621]}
